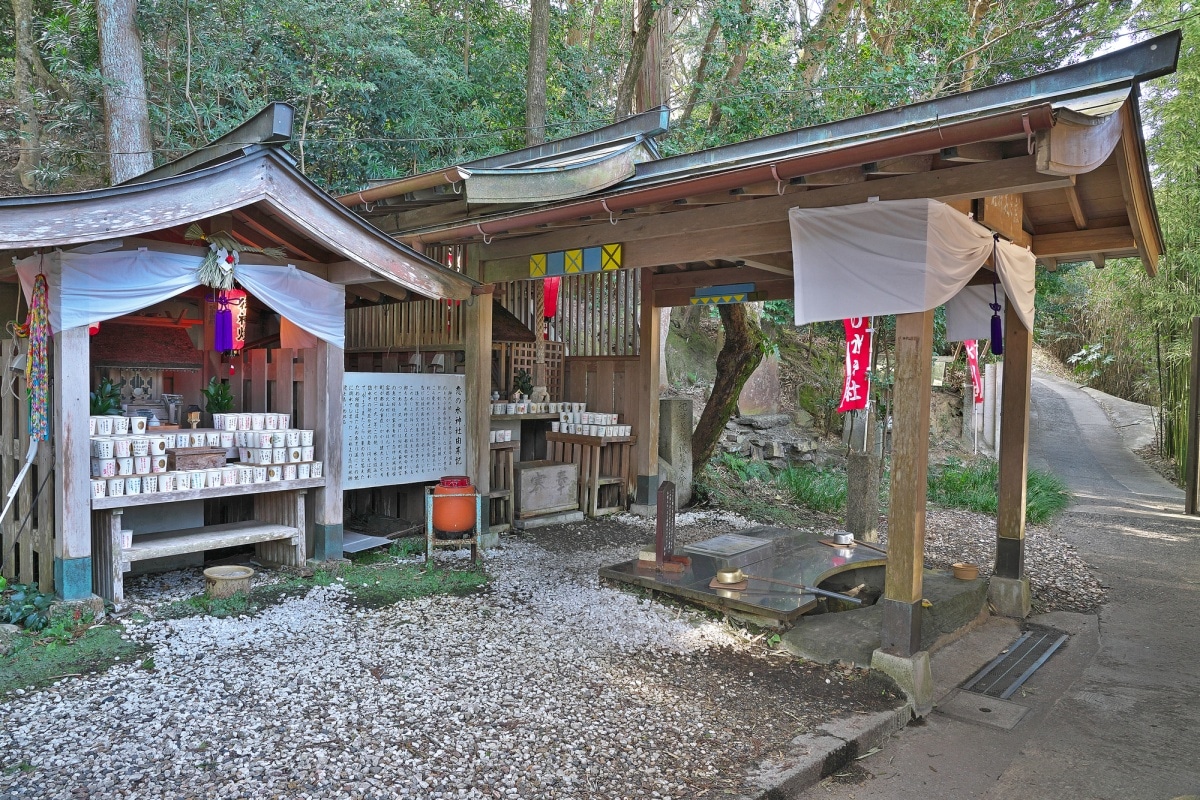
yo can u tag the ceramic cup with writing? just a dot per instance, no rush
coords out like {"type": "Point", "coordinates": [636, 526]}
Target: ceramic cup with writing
{"type": "Point", "coordinates": [116, 487]}
{"type": "Point", "coordinates": [271, 421]}
{"type": "Point", "coordinates": [316, 469]}
{"type": "Point", "coordinates": [507, 438]}
{"type": "Point", "coordinates": [275, 472]}
{"type": "Point", "coordinates": [166, 482]}
{"type": "Point", "coordinates": [294, 454]}
{"type": "Point", "coordinates": [219, 421]}
{"type": "Point", "coordinates": [149, 484]}
{"type": "Point", "coordinates": [308, 453]}
{"type": "Point", "coordinates": [141, 465]}
{"type": "Point", "coordinates": [120, 425]}
{"type": "Point", "coordinates": [291, 438]}
{"type": "Point", "coordinates": [196, 439]}
{"type": "Point", "coordinates": [306, 438]}
{"type": "Point", "coordinates": [226, 439]}
{"type": "Point", "coordinates": [260, 474]}
{"type": "Point", "coordinates": [121, 446]}
{"type": "Point", "coordinates": [554, 426]}
{"type": "Point", "coordinates": [171, 440]}
{"type": "Point", "coordinates": [104, 426]}
{"type": "Point", "coordinates": [133, 485]}
{"type": "Point", "coordinates": [289, 472]}
{"type": "Point", "coordinates": [158, 445]}
{"type": "Point", "coordinates": [212, 439]}
{"type": "Point", "coordinates": [99, 487]}
{"type": "Point", "coordinates": [104, 467]}
{"type": "Point", "coordinates": [125, 465]}
{"type": "Point", "coordinates": [257, 421]}
{"type": "Point", "coordinates": [102, 448]}
{"type": "Point", "coordinates": [229, 476]}
{"type": "Point", "coordinates": [139, 446]}
{"type": "Point", "coordinates": [279, 455]}
{"type": "Point", "coordinates": [285, 421]}
{"type": "Point", "coordinates": [244, 421]}
{"type": "Point", "coordinates": [245, 474]}
{"type": "Point", "coordinates": [91, 426]}
{"type": "Point", "coordinates": [158, 464]}
{"type": "Point", "coordinates": [212, 478]}
{"type": "Point", "coordinates": [303, 471]}
{"type": "Point", "coordinates": [261, 439]}
{"type": "Point", "coordinates": [278, 439]}
{"type": "Point", "coordinates": [137, 425]}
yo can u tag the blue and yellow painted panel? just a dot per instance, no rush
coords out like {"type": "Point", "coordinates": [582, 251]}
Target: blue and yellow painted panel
{"type": "Point", "coordinates": [723, 295]}
{"type": "Point", "coordinates": [573, 262]}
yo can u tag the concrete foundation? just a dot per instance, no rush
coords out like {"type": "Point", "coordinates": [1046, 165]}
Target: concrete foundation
{"type": "Point", "coordinates": [1010, 597]}
{"type": "Point", "coordinates": [911, 674]}
{"type": "Point", "coordinates": [562, 518]}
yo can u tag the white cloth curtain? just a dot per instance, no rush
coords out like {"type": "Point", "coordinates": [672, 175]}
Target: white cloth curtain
{"type": "Point", "coordinates": [900, 257]}
{"type": "Point", "coordinates": [86, 288]}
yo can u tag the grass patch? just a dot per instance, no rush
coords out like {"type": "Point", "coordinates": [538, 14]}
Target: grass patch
{"type": "Point", "coordinates": [374, 579]}
{"type": "Point", "coordinates": [719, 487]}
{"type": "Point", "coordinates": [974, 487]}
{"type": "Point", "coordinates": [38, 661]}
{"type": "Point", "coordinates": [818, 489]}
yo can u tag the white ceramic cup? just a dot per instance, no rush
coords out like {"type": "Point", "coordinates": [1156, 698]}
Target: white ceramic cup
{"type": "Point", "coordinates": [125, 466]}
{"type": "Point", "coordinates": [149, 484]}
{"type": "Point", "coordinates": [271, 422]}
{"type": "Point", "coordinates": [102, 448]}
{"type": "Point", "coordinates": [137, 425]}
{"type": "Point", "coordinates": [279, 455]}
{"type": "Point", "coordinates": [171, 440]}
{"type": "Point", "coordinates": [278, 439]}
{"type": "Point", "coordinates": [289, 472]}
{"type": "Point", "coordinates": [226, 439]}
{"type": "Point", "coordinates": [91, 426]}
{"type": "Point", "coordinates": [104, 426]}
{"type": "Point", "coordinates": [303, 471]}
{"type": "Point", "coordinates": [158, 464]}
{"type": "Point", "coordinates": [316, 469]}
{"type": "Point", "coordinates": [133, 485]}
{"type": "Point", "coordinates": [291, 438]}
{"type": "Point", "coordinates": [306, 438]}
{"type": "Point", "coordinates": [116, 487]}
{"type": "Point", "coordinates": [245, 475]}
{"type": "Point", "coordinates": [158, 445]}
{"type": "Point", "coordinates": [257, 421]}
{"type": "Point", "coordinates": [99, 487]}
{"type": "Point", "coordinates": [120, 425]}
{"type": "Point", "coordinates": [139, 446]}
{"type": "Point", "coordinates": [166, 482]}
{"type": "Point", "coordinates": [308, 453]}
{"type": "Point", "coordinates": [260, 474]}
{"type": "Point", "coordinates": [244, 421]}
{"type": "Point", "coordinates": [121, 446]}
{"type": "Point", "coordinates": [275, 473]}
{"type": "Point", "coordinates": [229, 476]}
{"type": "Point", "coordinates": [212, 439]}
{"type": "Point", "coordinates": [141, 465]}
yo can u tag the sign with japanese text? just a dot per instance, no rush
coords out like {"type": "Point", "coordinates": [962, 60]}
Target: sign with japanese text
{"type": "Point", "coordinates": [402, 427]}
{"type": "Point", "coordinates": [856, 387]}
{"type": "Point", "coordinates": [972, 348]}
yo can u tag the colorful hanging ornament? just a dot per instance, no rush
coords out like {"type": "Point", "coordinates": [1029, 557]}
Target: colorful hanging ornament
{"type": "Point", "coordinates": [37, 384]}
{"type": "Point", "coordinates": [997, 324]}
{"type": "Point", "coordinates": [217, 270]}
{"type": "Point", "coordinates": [223, 324]}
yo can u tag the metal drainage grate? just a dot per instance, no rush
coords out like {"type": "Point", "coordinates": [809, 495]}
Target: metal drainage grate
{"type": "Point", "coordinates": [1007, 671]}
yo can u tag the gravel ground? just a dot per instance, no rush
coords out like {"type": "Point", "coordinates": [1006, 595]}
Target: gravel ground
{"type": "Point", "coordinates": [546, 685]}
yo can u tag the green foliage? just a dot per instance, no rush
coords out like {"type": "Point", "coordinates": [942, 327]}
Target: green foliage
{"type": "Point", "coordinates": [1089, 362]}
{"type": "Point", "coordinates": [218, 397]}
{"type": "Point", "coordinates": [974, 487]}
{"type": "Point", "coordinates": [745, 469]}
{"type": "Point", "coordinates": [39, 661]}
{"type": "Point", "coordinates": [25, 606]}
{"type": "Point", "coordinates": [523, 382]}
{"type": "Point", "coordinates": [105, 399]}
{"type": "Point", "coordinates": [779, 312]}
{"type": "Point", "coordinates": [818, 489]}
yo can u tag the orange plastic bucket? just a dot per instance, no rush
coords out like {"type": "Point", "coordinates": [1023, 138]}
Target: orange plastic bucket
{"type": "Point", "coordinates": [454, 504]}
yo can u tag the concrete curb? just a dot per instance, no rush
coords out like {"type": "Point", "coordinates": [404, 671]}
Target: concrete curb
{"type": "Point", "coordinates": [832, 746]}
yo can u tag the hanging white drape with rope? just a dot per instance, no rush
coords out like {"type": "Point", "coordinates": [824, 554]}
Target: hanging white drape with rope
{"type": "Point", "coordinates": [900, 257]}
{"type": "Point", "coordinates": [94, 287]}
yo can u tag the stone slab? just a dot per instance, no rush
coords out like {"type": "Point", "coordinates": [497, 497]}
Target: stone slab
{"type": "Point", "coordinates": [982, 710]}
{"type": "Point", "coordinates": [547, 520]}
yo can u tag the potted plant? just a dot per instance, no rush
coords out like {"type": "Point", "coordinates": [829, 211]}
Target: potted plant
{"type": "Point", "coordinates": [105, 399]}
{"type": "Point", "coordinates": [522, 384]}
{"type": "Point", "coordinates": [218, 399]}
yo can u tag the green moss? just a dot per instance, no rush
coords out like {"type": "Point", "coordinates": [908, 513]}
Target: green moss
{"type": "Point", "coordinates": [38, 661]}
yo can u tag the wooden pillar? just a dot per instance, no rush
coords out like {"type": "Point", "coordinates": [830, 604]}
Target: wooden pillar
{"type": "Point", "coordinates": [1014, 446]}
{"type": "Point", "coordinates": [72, 492]}
{"type": "Point", "coordinates": [646, 426]}
{"type": "Point", "coordinates": [327, 374]}
{"type": "Point", "coordinates": [1191, 475]}
{"type": "Point", "coordinates": [477, 346]}
{"type": "Point", "coordinates": [901, 633]}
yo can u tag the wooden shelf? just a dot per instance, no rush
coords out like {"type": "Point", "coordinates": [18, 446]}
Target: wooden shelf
{"type": "Point", "coordinates": [154, 498]}
{"type": "Point", "coordinates": [510, 445]}
{"type": "Point", "coordinates": [511, 417]}
{"type": "Point", "coordinates": [209, 537]}
{"type": "Point", "coordinates": [579, 438]}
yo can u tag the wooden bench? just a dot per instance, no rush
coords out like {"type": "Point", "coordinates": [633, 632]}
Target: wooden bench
{"type": "Point", "coordinates": [278, 531]}
{"type": "Point", "coordinates": [500, 498]}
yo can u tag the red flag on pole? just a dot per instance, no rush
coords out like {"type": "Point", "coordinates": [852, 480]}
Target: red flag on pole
{"type": "Point", "coordinates": [972, 348]}
{"type": "Point", "coordinates": [856, 387]}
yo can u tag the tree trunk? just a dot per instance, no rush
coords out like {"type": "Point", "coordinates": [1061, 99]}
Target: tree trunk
{"type": "Point", "coordinates": [30, 144]}
{"type": "Point", "coordinates": [125, 110]}
{"type": "Point", "coordinates": [740, 355]}
{"type": "Point", "coordinates": [535, 73]}
{"type": "Point", "coordinates": [652, 82]}
{"type": "Point", "coordinates": [735, 68]}
{"type": "Point", "coordinates": [701, 72]}
{"type": "Point", "coordinates": [643, 27]}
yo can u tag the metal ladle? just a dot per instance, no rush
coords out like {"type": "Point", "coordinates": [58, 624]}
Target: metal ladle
{"type": "Point", "coordinates": [728, 576]}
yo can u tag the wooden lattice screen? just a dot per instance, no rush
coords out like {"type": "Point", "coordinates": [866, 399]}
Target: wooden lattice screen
{"type": "Point", "coordinates": [512, 356]}
{"type": "Point", "coordinates": [27, 531]}
{"type": "Point", "coordinates": [420, 324]}
{"type": "Point", "coordinates": [597, 312]}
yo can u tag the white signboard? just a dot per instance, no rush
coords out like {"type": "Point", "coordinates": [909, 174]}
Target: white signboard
{"type": "Point", "coordinates": [402, 427]}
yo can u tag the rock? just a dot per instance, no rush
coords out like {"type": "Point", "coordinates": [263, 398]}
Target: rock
{"type": "Point", "coordinates": [7, 634]}
{"type": "Point", "coordinates": [764, 422]}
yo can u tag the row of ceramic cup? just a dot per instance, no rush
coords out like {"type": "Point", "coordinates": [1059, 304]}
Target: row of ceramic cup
{"type": "Point", "coordinates": [115, 426]}
{"type": "Point", "coordinates": [588, 418]}
{"type": "Point", "coordinates": [263, 456]}
{"type": "Point", "coordinates": [187, 480]}
{"type": "Point", "coordinates": [526, 407]}
{"type": "Point", "coordinates": [591, 430]}
{"type": "Point", "coordinates": [122, 446]}
{"type": "Point", "coordinates": [252, 422]}
{"type": "Point", "coordinates": [499, 436]}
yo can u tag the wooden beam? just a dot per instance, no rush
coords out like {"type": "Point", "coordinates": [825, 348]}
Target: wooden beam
{"type": "Point", "coordinates": [1011, 176]}
{"type": "Point", "coordinates": [345, 273]}
{"type": "Point", "coordinates": [1014, 446]}
{"type": "Point", "coordinates": [772, 290]}
{"type": "Point", "coordinates": [1135, 189]}
{"type": "Point", "coordinates": [365, 293]}
{"type": "Point", "coordinates": [328, 373]}
{"type": "Point", "coordinates": [779, 263]}
{"type": "Point", "coordinates": [390, 289]}
{"type": "Point", "coordinates": [695, 278]}
{"type": "Point", "coordinates": [69, 437]}
{"type": "Point", "coordinates": [835, 177]}
{"type": "Point", "coordinates": [284, 239]}
{"type": "Point", "coordinates": [905, 165]}
{"type": "Point", "coordinates": [477, 356]}
{"type": "Point", "coordinates": [973, 153]}
{"type": "Point", "coordinates": [910, 467]}
{"type": "Point", "coordinates": [1099, 261]}
{"type": "Point", "coordinates": [1081, 220]}
{"type": "Point", "coordinates": [1081, 244]}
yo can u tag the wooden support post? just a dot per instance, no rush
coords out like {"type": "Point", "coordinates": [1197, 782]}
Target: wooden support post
{"type": "Point", "coordinates": [477, 347]}
{"type": "Point", "coordinates": [1192, 457]}
{"type": "Point", "coordinates": [327, 374]}
{"type": "Point", "coordinates": [1014, 446]}
{"type": "Point", "coordinates": [901, 633]}
{"type": "Point", "coordinates": [72, 492]}
{"type": "Point", "coordinates": [646, 426]}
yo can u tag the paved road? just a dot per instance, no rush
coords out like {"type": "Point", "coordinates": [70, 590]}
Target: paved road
{"type": "Point", "coordinates": [1116, 713]}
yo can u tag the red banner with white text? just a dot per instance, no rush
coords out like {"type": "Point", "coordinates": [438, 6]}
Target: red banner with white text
{"type": "Point", "coordinates": [856, 387]}
{"type": "Point", "coordinates": [972, 348]}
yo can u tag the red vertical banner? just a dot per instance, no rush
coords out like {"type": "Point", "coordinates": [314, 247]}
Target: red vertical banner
{"type": "Point", "coordinates": [972, 348]}
{"type": "Point", "coordinates": [856, 387]}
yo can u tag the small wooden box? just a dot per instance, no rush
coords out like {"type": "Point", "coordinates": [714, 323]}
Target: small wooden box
{"type": "Point", "coordinates": [195, 458]}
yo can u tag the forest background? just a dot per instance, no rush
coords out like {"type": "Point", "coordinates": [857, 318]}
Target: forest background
{"type": "Point", "coordinates": [387, 88]}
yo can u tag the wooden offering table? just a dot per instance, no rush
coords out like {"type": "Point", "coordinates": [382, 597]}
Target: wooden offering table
{"type": "Point", "coordinates": [604, 464]}
{"type": "Point", "coordinates": [501, 496]}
